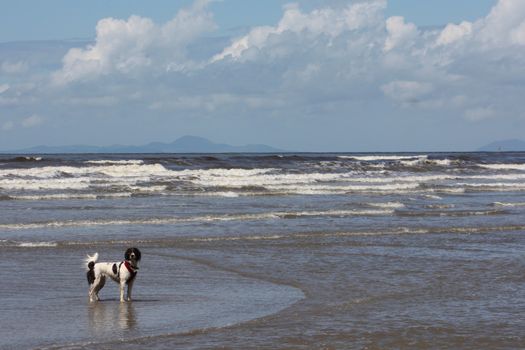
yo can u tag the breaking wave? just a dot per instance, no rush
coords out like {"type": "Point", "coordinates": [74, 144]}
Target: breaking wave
{"type": "Point", "coordinates": [235, 176]}
{"type": "Point", "coordinates": [203, 218]}
{"type": "Point", "coordinates": [394, 231]}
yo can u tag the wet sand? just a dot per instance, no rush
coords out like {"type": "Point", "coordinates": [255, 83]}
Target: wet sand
{"type": "Point", "coordinates": [442, 291]}
{"type": "Point", "coordinates": [329, 290]}
{"type": "Point", "coordinates": [45, 303]}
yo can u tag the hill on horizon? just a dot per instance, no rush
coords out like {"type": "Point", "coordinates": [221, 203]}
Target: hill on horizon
{"type": "Point", "coordinates": [196, 144]}
{"type": "Point", "coordinates": [185, 144]}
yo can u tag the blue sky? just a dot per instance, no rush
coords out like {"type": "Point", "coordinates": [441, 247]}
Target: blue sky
{"type": "Point", "coordinates": [60, 19]}
{"type": "Point", "coordinates": [376, 75]}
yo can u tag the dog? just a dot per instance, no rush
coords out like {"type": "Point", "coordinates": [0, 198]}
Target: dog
{"type": "Point", "coordinates": [123, 272]}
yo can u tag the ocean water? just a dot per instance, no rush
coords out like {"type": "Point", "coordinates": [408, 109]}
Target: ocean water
{"type": "Point", "coordinates": [275, 251]}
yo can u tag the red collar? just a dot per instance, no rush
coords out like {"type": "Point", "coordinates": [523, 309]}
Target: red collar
{"type": "Point", "coordinates": [129, 267]}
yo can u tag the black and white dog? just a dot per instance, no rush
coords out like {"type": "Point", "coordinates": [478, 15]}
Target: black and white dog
{"type": "Point", "coordinates": [122, 272]}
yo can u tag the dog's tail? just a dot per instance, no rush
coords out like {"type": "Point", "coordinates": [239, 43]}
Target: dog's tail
{"type": "Point", "coordinates": [90, 266]}
{"type": "Point", "coordinates": [90, 261]}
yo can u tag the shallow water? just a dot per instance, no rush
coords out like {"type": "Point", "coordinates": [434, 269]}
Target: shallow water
{"type": "Point", "coordinates": [333, 251]}
{"type": "Point", "coordinates": [174, 295]}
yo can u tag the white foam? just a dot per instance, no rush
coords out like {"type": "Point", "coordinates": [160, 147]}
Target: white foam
{"type": "Point", "coordinates": [385, 157]}
{"type": "Point", "coordinates": [134, 176]}
{"type": "Point", "coordinates": [330, 189]}
{"type": "Point", "coordinates": [391, 205]}
{"type": "Point", "coordinates": [341, 213]}
{"type": "Point", "coordinates": [495, 185]}
{"type": "Point", "coordinates": [509, 177]}
{"type": "Point", "coordinates": [229, 194]}
{"type": "Point", "coordinates": [303, 183]}
{"type": "Point", "coordinates": [115, 162]}
{"type": "Point", "coordinates": [425, 160]}
{"type": "Point", "coordinates": [505, 204]}
{"type": "Point", "coordinates": [204, 218]}
{"type": "Point", "coordinates": [440, 206]}
{"type": "Point", "coordinates": [397, 231]}
{"type": "Point", "coordinates": [144, 189]}
{"type": "Point", "coordinates": [265, 177]}
{"type": "Point", "coordinates": [432, 196]}
{"type": "Point", "coordinates": [57, 196]}
{"type": "Point", "coordinates": [453, 190]}
{"type": "Point", "coordinates": [36, 244]}
{"type": "Point", "coordinates": [117, 170]}
{"type": "Point", "coordinates": [66, 196]}
{"type": "Point", "coordinates": [47, 184]}
{"type": "Point", "coordinates": [238, 238]}
{"type": "Point", "coordinates": [82, 178]}
{"type": "Point", "coordinates": [440, 162]}
{"type": "Point", "coordinates": [503, 166]}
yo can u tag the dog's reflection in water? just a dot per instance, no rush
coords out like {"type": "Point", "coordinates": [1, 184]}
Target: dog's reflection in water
{"type": "Point", "coordinates": [107, 317]}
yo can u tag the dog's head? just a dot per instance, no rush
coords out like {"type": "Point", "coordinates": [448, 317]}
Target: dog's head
{"type": "Point", "coordinates": [132, 254]}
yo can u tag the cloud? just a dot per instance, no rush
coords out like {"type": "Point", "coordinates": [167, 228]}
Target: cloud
{"type": "Point", "coordinates": [32, 121]}
{"type": "Point", "coordinates": [345, 64]}
{"type": "Point", "coordinates": [454, 32]}
{"type": "Point", "coordinates": [327, 22]}
{"type": "Point", "coordinates": [399, 33]}
{"type": "Point", "coordinates": [322, 54]}
{"type": "Point", "coordinates": [13, 67]}
{"type": "Point", "coordinates": [479, 114]}
{"type": "Point", "coordinates": [503, 24]}
{"type": "Point", "coordinates": [128, 46]}
{"type": "Point", "coordinates": [406, 91]}
{"type": "Point", "coordinates": [3, 88]}
{"type": "Point", "coordinates": [28, 122]}
{"type": "Point", "coordinates": [5, 96]}
{"type": "Point", "coordinates": [517, 35]}
{"type": "Point", "coordinates": [215, 102]}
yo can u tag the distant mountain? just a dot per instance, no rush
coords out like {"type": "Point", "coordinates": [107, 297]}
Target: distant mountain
{"type": "Point", "coordinates": [504, 146]}
{"type": "Point", "coordinates": [185, 144]}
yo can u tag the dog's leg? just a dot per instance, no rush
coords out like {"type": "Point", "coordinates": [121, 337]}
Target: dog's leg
{"type": "Point", "coordinates": [130, 287]}
{"type": "Point", "coordinates": [100, 285]}
{"type": "Point", "coordinates": [92, 292]}
{"type": "Point", "coordinates": [92, 288]}
{"type": "Point", "coordinates": [122, 285]}
{"type": "Point", "coordinates": [97, 285]}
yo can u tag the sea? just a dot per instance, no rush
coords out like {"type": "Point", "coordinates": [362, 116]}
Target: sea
{"type": "Point", "coordinates": [266, 251]}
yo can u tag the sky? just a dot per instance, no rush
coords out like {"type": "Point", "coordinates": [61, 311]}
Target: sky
{"type": "Point", "coordinates": [311, 75]}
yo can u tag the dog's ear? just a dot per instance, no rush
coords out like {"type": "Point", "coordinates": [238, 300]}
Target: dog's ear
{"type": "Point", "coordinates": [137, 253]}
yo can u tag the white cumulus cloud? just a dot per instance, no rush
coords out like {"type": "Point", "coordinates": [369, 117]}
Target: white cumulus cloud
{"type": "Point", "coordinates": [127, 46]}
{"type": "Point", "coordinates": [454, 32]}
{"type": "Point", "coordinates": [321, 55]}
{"type": "Point", "coordinates": [327, 22]}
{"type": "Point", "coordinates": [399, 33]}
{"type": "Point", "coordinates": [502, 24]}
